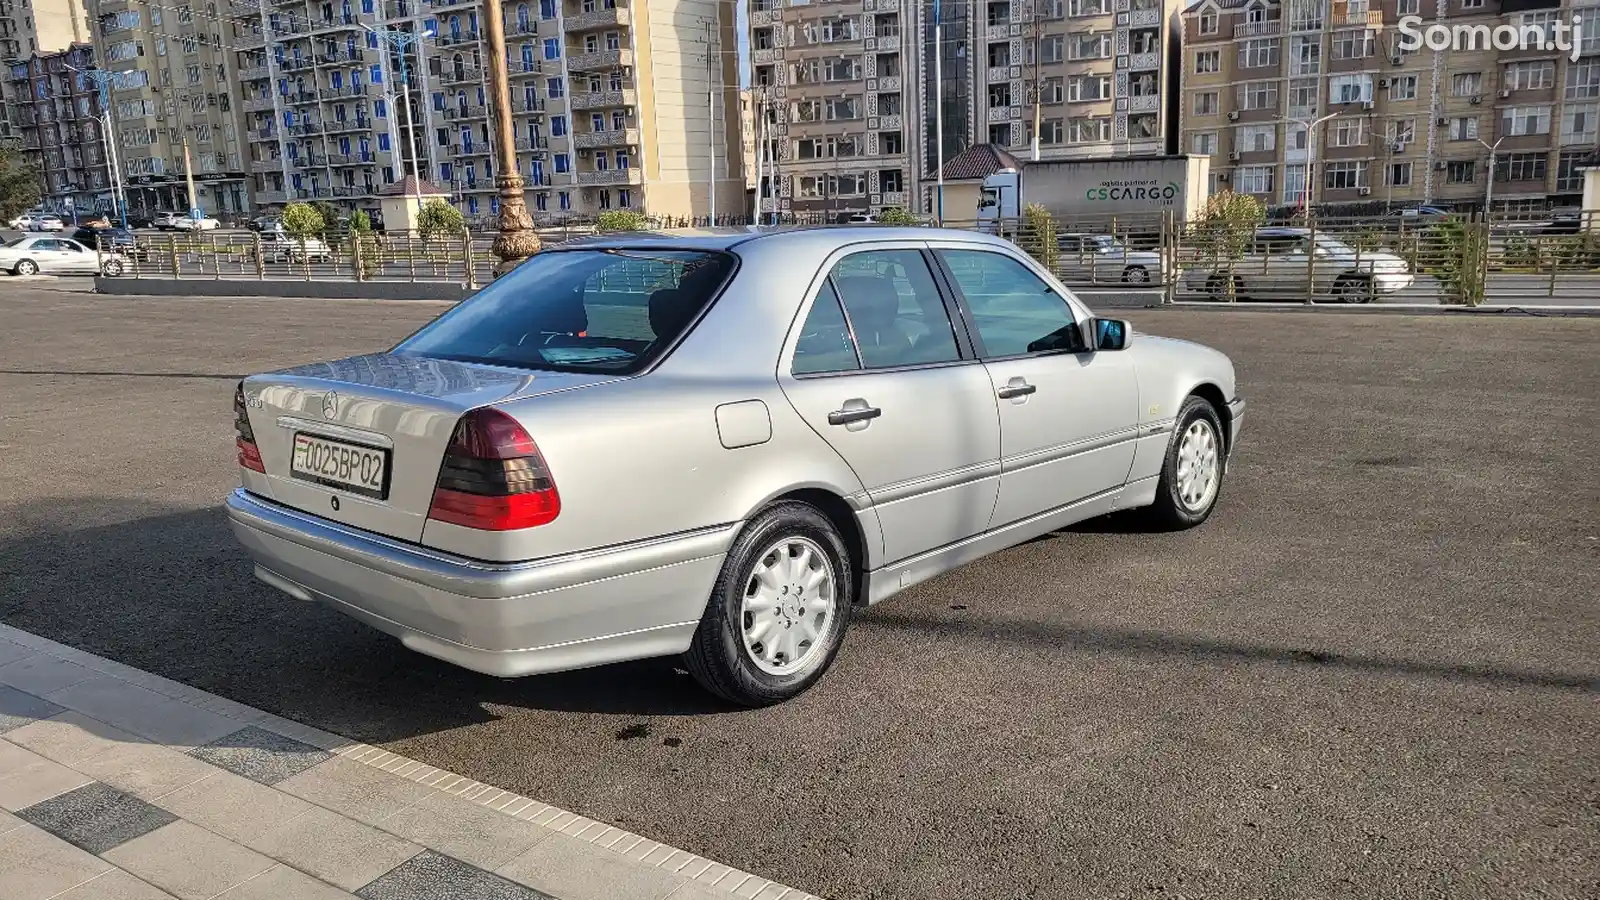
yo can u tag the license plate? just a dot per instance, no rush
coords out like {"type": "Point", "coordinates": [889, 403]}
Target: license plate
{"type": "Point", "coordinates": [340, 464]}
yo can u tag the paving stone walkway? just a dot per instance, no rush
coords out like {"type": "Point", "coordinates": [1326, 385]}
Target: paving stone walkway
{"type": "Point", "coordinates": [116, 784]}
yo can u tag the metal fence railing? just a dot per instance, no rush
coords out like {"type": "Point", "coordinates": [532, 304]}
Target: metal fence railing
{"type": "Point", "coordinates": [1435, 260]}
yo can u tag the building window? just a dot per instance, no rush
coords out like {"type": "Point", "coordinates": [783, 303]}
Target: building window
{"type": "Point", "coordinates": [1569, 171]}
{"type": "Point", "coordinates": [563, 163]}
{"type": "Point", "coordinates": [1352, 44]}
{"type": "Point", "coordinates": [1398, 174]}
{"type": "Point", "coordinates": [1205, 103]}
{"type": "Point", "coordinates": [1530, 76]}
{"type": "Point", "coordinates": [1258, 95]}
{"type": "Point", "coordinates": [1089, 131]}
{"type": "Point", "coordinates": [1090, 46]}
{"type": "Point", "coordinates": [1203, 144]}
{"type": "Point", "coordinates": [1403, 87]}
{"type": "Point", "coordinates": [1464, 128]}
{"type": "Point", "coordinates": [1583, 77]}
{"type": "Point", "coordinates": [1525, 120]}
{"type": "Point", "coordinates": [1578, 123]}
{"type": "Point", "coordinates": [1255, 54]}
{"type": "Point", "coordinates": [1520, 167]}
{"type": "Point", "coordinates": [1089, 87]}
{"type": "Point", "coordinates": [1253, 179]}
{"type": "Point", "coordinates": [1207, 62]}
{"type": "Point", "coordinates": [1208, 22]}
{"type": "Point", "coordinates": [1340, 176]}
{"type": "Point", "coordinates": [1466, 84]}
{"type": "Point", "coordinates": [1256, 138]}
{"type": "Point", "coordinates": [1350, 88]}
{"type": "Point", "coordinates": [1460, 171]}
{"type": "Point", "coordinates": [1349, 132]}
{"type": "Point", "coordinates": [552, 48]}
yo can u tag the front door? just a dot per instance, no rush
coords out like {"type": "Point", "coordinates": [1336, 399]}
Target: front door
{"type": "Point", "coordinates": [1068, 417]}
{"type": "Point", "coordinates": [878, 372]}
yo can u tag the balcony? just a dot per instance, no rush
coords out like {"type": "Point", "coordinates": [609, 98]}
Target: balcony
{"type": "Point", "coordinates": [456, 38]}
{"type": "Point", "coordinates": [1144, 18]}
{"type": "Point", "coordinates": [297, 97]}
{"type": "Point", "coordinates": [267, 198]}
{"type": "Point", "coordinates": [766, 56]}
{"type": "Point", "coordinates": [462, 113]}
{"type": "Point", "coordinates": [997, 31]}
{"type": "Point", "coordinates": [333, 23]}
{"type": "Point", "coordinates": [533, 143]}
{"type": "Point", "coordinates": [264, 134]}
{"type": "Point", "coordinates": [342, 126]}
{"type": "Point", "coordinates": [600, 18]}
{"type": "Point", "coordinates": [761, 18]}
{"type": "Point", "coordinates": [352, 159]}
{"type": "Point", "coordinates": [475, 148]}
{"type": "Point", "coordinates": [610, 177]}
{"type": "Point", "coordinates": [305, 129]}
{"type": "Point", "coordinates": [894, 198]}
{"type": "Point", "coordinates": [270, 164]}
{"type": "Point", "coordinates": [529, 28]}
{"type": "Point", "coordinates": [458, 74]}
{"type": "Point", "coordinates": [244, 7]}
{"type": "Point", "coordinates": [604, 99]}
{"type": "Point", "coordinates": [349, 90]}
{"type": "Point", "coordinates": [517, 68]}
{"type": "Point", "coordinates": [1000, 73]}
{"type": "Point", "coordinates": [258, 104]}
{"type": "Point", "coordinates": [1146, 103]}
{"type": "Point", "coordinates": [1139, 62]}
{"type": "Point", "coordinates": [521, 105]}
{"type": "Point", "coordinates": [254, 73]}
{"type": "Point", "coordinates": [627, 137]}
{"type": "Point", "coordinates": [310, 161]}
{"type": "Point", "coordinates": [600, 60]}
{"type": "Point", "coordinates": [401, 9]}
{"type": "Point", "coordinates": [1258, 29]}
{"type": "Point", "coordinates": [1369, 19]}
{"type": "Point", "coordinates": [295, 63]}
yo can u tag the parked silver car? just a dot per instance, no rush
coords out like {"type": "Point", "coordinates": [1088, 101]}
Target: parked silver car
{"type": "Point", "coordinates": [715, 444]}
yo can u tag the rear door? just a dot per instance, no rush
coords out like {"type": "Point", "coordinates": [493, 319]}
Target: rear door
{"type": "Point", "coordinates": [881, 371]}
{"type": "Point", "coordinates": [1067, 416]}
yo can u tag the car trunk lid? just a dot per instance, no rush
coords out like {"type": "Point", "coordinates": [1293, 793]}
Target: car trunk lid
{"type": "Point", "coordinates": [341, 418]}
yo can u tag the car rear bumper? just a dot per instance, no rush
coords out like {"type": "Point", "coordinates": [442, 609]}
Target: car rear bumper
{"type": "Point", "coordinates": [607, 605]}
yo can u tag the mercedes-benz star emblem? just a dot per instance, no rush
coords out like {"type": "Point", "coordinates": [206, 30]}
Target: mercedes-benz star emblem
{"type": "Point", "coordinates": [330, 405]}
{"type": "Point", "coordinates": [335, 502]}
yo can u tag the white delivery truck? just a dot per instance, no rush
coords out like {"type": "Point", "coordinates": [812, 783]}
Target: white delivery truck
{"type": "Point", "coordinates": [1133, 193]}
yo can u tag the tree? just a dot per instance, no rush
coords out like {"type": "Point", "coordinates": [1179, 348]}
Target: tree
{"type": "Point", "coordinates": [1225, 231]}
{"type": "Point", "coordinates": [1039, 235]}
{"type": "Point", "coordinates": [621, 220]}
{"type": "Point", "coordinates": [364, 248]}
{"type": "Point", "coordinates": [303, 220]}
{"type": "Point", "coordinates": [19, 184]}
{"type": "Point", "coordinates": [440, 218]}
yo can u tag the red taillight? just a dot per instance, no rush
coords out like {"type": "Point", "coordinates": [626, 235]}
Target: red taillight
{"type": "Point", "coordinates": [249, 455]}
{"type": "Point", "coordinates": [492, 477]}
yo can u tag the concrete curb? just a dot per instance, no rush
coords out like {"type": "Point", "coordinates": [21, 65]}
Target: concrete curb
{"type": "Point", "coordinates": [631, 849]}
{"type": "Point", "coordinates": [348, 289]}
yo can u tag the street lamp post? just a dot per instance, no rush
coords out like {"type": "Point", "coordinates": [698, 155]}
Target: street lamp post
{"type": "Point", "coordinates": [1310, 125]}
{"type": "Point", "coordinates": [516, 240]}
{"type": "Point", "coordinates": [1488, 192]}
{"type": "Point", "coordinates": [402, 41]}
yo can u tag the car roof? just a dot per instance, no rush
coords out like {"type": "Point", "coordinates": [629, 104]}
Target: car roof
{"type": "Point", "coordinates": [807, 235]}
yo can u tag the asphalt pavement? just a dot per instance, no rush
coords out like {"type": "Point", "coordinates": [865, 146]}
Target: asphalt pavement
{"type": "Point", "coordinates": [1373, 673]}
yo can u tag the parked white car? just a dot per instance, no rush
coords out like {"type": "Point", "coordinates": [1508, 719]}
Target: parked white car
{"type": "Point", "coordinates": [280, 246]}
{"type": "Point", "coordinates": [1101, 257]}
{"type": "Point", "coordinates": [185, 223]}
{"type": "Point", "coordinates": [57, 256]}
{"type": "Point", "coordinates": [1283, 262]}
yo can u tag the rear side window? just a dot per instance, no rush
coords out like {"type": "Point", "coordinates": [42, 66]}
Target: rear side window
{"type": "Point", "coordinates": [825, 344]}
{"type": "Point", "coordinates": [895, 310]}
{"type": "Point", "coordinates": [611, 311]}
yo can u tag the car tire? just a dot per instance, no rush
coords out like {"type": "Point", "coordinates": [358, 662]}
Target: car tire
{"type": "Point", "coordinates": [1136, 275]}
{"type": "Point", "coordinates": [737, 653]}
{"type": "Point", "coordinates": [1182, 502]}
{"type": "Point", "coordinates": [112, 268]}
{"type": "Point", "coordinates": [1353, 289]}
{"type": "Point", "coordinates": [1217, 288]}
{"type": "Point", "coordinates": [25, 267]}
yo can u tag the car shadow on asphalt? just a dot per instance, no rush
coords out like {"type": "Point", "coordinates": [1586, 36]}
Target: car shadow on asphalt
{"type": "Point", "coordinates": [172, 593]}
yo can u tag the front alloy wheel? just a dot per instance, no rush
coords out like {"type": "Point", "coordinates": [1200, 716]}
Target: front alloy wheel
{"type": "Point", "coordinates": [1191, 475]}
{"type": "Point", "coordinates": [26, 267]}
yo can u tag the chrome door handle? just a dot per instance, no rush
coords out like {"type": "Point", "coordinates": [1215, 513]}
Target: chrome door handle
{"type": "Point", "coordinates": [1017, 390]}
{"type": "Point", "coordinates": [853, 414]}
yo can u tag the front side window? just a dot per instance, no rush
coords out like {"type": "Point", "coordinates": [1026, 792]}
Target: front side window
{"type": "Point", "coordinates": [610, 311]}
{"type": "Point", "coordinates": [1014, 311]}
{"type": "Point", "coordinates": [894, 309]}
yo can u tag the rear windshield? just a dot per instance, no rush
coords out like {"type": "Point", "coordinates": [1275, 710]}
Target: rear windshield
{"type": "Point", "coordinates": [612, 311]}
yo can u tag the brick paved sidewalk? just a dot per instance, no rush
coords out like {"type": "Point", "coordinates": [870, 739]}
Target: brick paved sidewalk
{"type": "Point", "coordinates": [116, 784]}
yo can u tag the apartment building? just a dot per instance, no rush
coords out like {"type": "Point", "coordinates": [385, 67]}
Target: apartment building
{"type": "Point", "coordinates": [170, 94]}
{"type": "Point", "coordinates": [57, 111]}
{"type": "Point", "coordinates": [1407, 127]}
{"type": "Point", "coordinates": [856, 91]}
{"type": "Point", "coordinates": [34, 26]}
{"type": "Point", "coordinates": [612, 102]}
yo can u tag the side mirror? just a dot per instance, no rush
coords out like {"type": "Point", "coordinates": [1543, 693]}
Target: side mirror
{"type": "Point", "coordinates": [1109, 334]}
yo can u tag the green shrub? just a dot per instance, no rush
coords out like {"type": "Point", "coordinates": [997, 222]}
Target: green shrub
{"type": "Point", "coordinates": [621, 220]}
{"type": "Point", "coordinates": [894, 215]}
{"type": "Point", "coordinates": [438, 218]}
{"type": "Point", "coordinates": [303, 220]}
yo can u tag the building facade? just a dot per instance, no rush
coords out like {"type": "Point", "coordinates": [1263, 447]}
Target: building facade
{"type": "Point", "coordinates": [34, 26]}
{"type": "Point", "coordinates": [57, 112]}
{"type": "Point", "coordinates": [615, 105]}
{"type": "Point", "coordinates": [1408, 127]}
{"type": "Point", "coordinates": [865, 97]}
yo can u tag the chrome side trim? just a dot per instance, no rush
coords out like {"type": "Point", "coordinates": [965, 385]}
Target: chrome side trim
{"type": "Point", "coordinates": [332, 430]}
{"type": "Point", "coordinates": [471, 577]}
{"type": "Point", "coordinates": [927, 484]}
{"type": "Point", "coordinates": [1045, 455]}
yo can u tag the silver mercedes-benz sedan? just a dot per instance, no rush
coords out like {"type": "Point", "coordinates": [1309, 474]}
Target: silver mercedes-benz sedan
{"type": "Point", "coordinates": [716, 444]}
